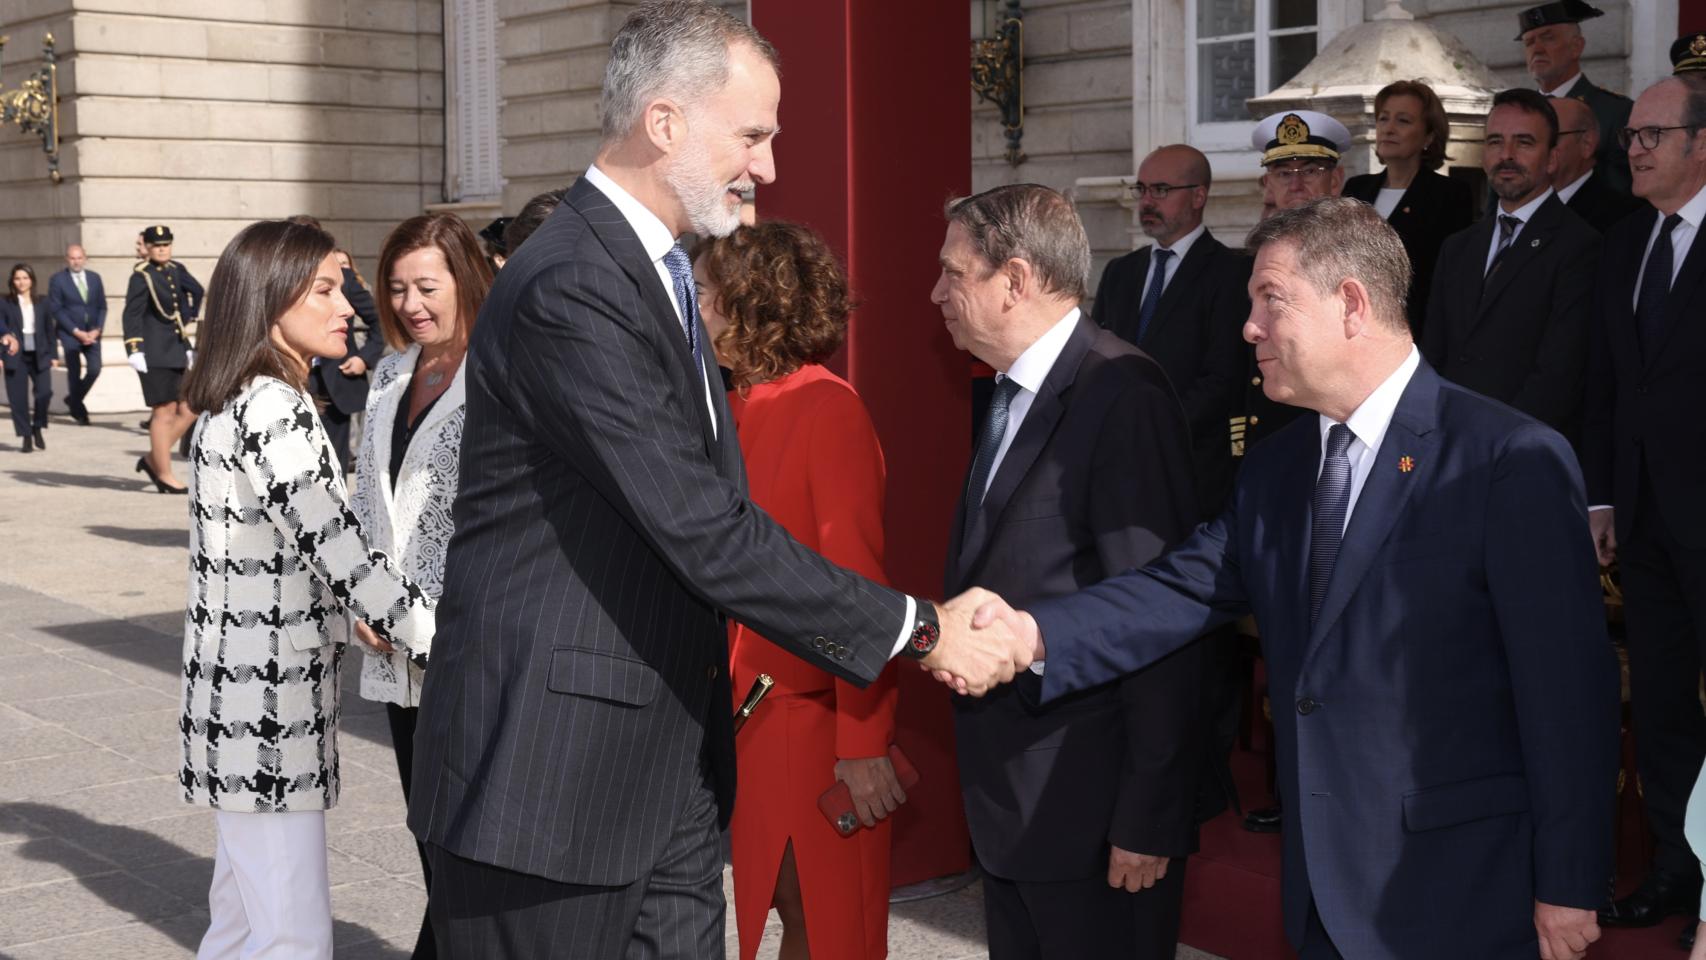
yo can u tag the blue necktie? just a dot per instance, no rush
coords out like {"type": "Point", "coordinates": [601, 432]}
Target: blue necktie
{"type": "Point", "coordinates": [1328, 509]}
{"type": "Point", "coordinates": [1507, 232]}
{"type": "Point", "coordinates": [681, 272]}
{"type": "Point", "coordinates": [989, 441]}
{"type": "Point", "coordinates": [1655, 287]}
{"type": "Point", "coordinates": [1152, 293]}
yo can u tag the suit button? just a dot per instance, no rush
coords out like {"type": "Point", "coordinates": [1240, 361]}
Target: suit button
{"type": "Point", "coordinates": [817, 642]}
{"type": "Point", "coordinates": [711, 673]}
{"type": "Point", "coordinates": [1255, 381]}
{"type": "Point", "coordinates": [1255, 420]}
{"type": "Point", "coordinates": [1306, 706]}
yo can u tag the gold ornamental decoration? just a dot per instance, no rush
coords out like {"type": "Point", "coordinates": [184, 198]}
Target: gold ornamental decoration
{"type": "Point", "coordinates": [34, 106]}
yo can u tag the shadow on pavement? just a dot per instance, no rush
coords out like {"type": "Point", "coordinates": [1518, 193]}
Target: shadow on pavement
{"type": "Point", "coordinates": [175, 537]}
{"type": "Point", "coordinates": [54, 835]}
{"type": "Point", "coordinates": [54, 478]}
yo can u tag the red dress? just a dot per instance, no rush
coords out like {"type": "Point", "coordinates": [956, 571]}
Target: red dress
{"type": "Point", "coordinates": [814, 464]}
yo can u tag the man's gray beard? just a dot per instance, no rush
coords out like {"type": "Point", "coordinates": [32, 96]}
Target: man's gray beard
{"type": "Point", "coordinates": [701, 197]}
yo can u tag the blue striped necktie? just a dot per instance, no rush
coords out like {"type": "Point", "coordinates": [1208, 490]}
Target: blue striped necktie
{"type": "Point", "coordinates": [989, 441]}
{"type": "Point", "coordinates": [681, 273]}
{"type": "Point", "coordinates": [1327, 526]}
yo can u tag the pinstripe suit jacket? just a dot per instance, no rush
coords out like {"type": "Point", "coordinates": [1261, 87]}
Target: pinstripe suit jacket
{"type": "Point", "coordinates": [580, 672]}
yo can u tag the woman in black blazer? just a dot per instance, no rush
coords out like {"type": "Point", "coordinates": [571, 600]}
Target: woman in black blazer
{"type": "Point", "coordinates": [1425, 207]}
{"type": "Point", "coordinates": [28, 352]}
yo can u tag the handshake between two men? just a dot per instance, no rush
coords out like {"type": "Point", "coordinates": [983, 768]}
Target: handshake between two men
{"type": "Point", "coordinates": [984, 643]}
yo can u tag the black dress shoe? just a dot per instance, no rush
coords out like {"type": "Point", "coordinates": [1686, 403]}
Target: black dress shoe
{"type": "Point", "coordinates": [1265, 820]}
{"type": "Point", "coordinates": [1685, 939]}
{"type": "Point", "coordinates": [40, 443]}
{"type": "Point", "coordinates": [1662, 894]}
{"type": "Point", "coordinates": [29, 445]}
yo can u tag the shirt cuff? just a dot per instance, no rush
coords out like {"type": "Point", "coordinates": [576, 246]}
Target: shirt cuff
{"type": "Point", "coordinates": [1599, 506]}
{"type": "Point", "coordinates": [906, 626]}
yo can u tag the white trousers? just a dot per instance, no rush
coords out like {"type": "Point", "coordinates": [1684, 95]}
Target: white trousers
{"type": "Point", "coordinates": [270, 896]}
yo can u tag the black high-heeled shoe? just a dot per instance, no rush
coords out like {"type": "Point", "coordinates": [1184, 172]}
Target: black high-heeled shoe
{"type": "Point", "coordinates": [159, 484]}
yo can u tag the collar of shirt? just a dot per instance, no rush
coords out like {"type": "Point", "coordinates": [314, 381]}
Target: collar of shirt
{"type": "Point", "coordinates": [1368, 423]}
{"type": "Point", "coordinates": [1182, 246]}
{"type": "Point", "coordinates": [1563, 89]}
{"type": "Point", "coordinates": [1524, 213]}
{"type": "Point", "coordinates": [1681, 238]}
{"type": "Point", "coordinates": [1032, 366]}
{"type": "Point", "coordinates": [1568, 192]}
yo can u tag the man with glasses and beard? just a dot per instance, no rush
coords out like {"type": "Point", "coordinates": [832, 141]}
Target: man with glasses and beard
{"type": "Point", "coordinates": [1644, 457]}
{"type": "Point", "coordinates": [1509, 311]}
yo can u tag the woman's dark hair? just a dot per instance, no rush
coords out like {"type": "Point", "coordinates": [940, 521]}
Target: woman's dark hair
{"type": "Point", "coordinates": [462, 254]}
{"type": "Point", "coordinates": [265, 270]}
{"type": "Point", "coordinates": [533, 213]}
{"type": "Point", "coordinates": [1433, 118]}
{"type": "Point", "coordinates": [35, 288]}
{"type": "Point", "coordinates": [784, 295]}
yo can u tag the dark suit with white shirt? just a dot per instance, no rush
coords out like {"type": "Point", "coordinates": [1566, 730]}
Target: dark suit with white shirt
{"type": "Point", "coordinates": [1601, 206]}
{"type": "Point", "coordinates": [83, 310]}
{"type": "Point", "coordinates": [574, 756]}
{"type": "Point", "coordinates": [1644, 453]}
{"type": "Point", "coordinates": [1445, 711]}
{"type": "Point", "coordinates": [1432, 207]}
{"type": "Point", "coordinates": [1095, 479]}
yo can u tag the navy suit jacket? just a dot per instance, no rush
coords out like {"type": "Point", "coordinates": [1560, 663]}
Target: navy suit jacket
{"type": "Point", "coordinates": [1447, 730]}
{"type": "Point", "coordinates": [69, 310]}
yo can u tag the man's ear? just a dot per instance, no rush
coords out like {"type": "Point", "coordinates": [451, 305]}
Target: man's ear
{"type": "Point", "coordinates": [1358, 308]}
{"type": "Point", "coordinates": [1020, 278]}
{"type": "Point", "coordinates": [665, 125]}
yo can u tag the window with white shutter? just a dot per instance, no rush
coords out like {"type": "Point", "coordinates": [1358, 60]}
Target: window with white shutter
{"type": "Point", "coordinates": [471, 61]}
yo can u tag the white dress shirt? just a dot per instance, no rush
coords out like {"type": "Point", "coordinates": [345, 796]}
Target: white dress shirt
{"type": "Point", "coordinates": [1524, 213]}
{"type": "Point", "coordinates": [1368, 425]}
{"type": "Point", "coordinates": [657, 240]}
{"type": "Point", "coordinates": [28, 308]}
{"type": "Point", "coordinates": [1681, 239]}
{"type": "Point", "coordinates": [1563, 89]}
{"type": "Point", "coordinates": [1387, 201]}
{"type": "Point", "coordinates": [1179, 249]}
{"type": "Point", "coordinates": [1567, 192]}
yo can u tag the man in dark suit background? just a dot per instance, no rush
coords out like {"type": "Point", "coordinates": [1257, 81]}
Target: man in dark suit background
{"type": "Point", "coordinates": [1182, 301]}
{"type": "Point", "coordinates": [1644, 453]}
{"type": "Point", "coordinates": [574, 756]}
{"type": "Point", "coordinates": [1519, 333]}
{"type": "Point", "coordinates": [1081, 813]}
{"type": "Point", "coordinates": [1417, 559]}
{"type": "Point", "coordinates": [77, 301]}
{"type": "Point", "coordinates": [1578, 181]}
{"type": "Point", "coordinates": [342, 386]}
{"type": "Point", "coordinates": [1552, 47]}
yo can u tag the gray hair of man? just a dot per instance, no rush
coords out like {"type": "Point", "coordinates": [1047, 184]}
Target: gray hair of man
{"type": "Point", "coordinates": [1337, 239]}
{"type": "Point", "coordinates": [1033, 223]}
{"type": "Point", "coordinates": [672, 48]}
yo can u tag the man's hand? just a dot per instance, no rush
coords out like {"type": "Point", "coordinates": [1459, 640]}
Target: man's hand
{"type": "Point", "coordinates": [365, 634]}
{"type": "Point", "coordinates": [1565, 932]}
{"type": "Point", "coordinates": [11, 344]}
{"type": "Point", "coordinates": [55, 362]}
{"type": "Point", "coordinates": [353, 367]}
{"type": "Point", "coordinates": [1603, 523]}
{"type": "Point", "coordinates": [137, 362]}
{"type": "Point", "coordinates": [1134, 871]}
{"type": "Point", "coordinates": [975, 661]}
{"type": "Point", "coordinates": [876, 790]}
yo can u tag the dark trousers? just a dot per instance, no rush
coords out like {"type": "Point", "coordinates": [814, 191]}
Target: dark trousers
{"type": "Point", "coordinates": [1083, 918]}
{"type": "Point", "coordinates": [82, 366]}
{"type": "Point", "coordinates": [1664, 605]}
{"type": "Point", "coordinates": [403, 745]}
{"type": "Point", "coordinates": [30, 372]}
{"type": "Point", "coordinates": [676, 913]}
{"type": "Point", "coordinates": [1316, 944]}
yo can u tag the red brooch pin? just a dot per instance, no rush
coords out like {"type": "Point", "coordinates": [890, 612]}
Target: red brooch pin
{"type": "Point", "coordinates": [1406, 464]}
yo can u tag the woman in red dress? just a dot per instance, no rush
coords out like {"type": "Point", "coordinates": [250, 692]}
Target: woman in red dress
{"type": "Point", "coordinates": [775, 304]}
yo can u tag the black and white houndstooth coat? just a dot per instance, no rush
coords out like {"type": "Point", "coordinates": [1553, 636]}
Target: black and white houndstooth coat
{"type": "Point", "coordinates": [277, 563]}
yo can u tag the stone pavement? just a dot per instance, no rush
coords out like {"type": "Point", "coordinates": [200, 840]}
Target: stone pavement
{"type": "Point", "coordinates": [98, 855]}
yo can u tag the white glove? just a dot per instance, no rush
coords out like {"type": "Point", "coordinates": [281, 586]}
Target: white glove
{"type": "Point", "coordinates": [189, 359]}
{"type": "Point", "coordinates": [137, 362]}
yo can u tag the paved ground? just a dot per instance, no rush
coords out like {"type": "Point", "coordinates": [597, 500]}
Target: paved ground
{"type": "Point", "coordinates": [98, 855]}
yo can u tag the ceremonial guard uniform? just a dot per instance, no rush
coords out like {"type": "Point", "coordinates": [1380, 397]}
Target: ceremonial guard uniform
{"type": "Point", "coordinates": [1610, 109]}
{"type": "Point", "coordinates": [161, 302]}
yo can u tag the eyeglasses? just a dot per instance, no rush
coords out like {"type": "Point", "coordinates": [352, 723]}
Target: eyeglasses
{"type": "Point", "coordinates": [1312, 171]}
{"type": "Point", "coordinates": [1649, 136]}
{"type": "Point", "coordinates": [1565, 133]}
{"type": "Point", "coordinates": [1159, 191]}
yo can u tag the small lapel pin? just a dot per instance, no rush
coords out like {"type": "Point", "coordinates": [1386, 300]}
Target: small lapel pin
{"type": "Point", "coordinates": [1535, 242]}
{"type": "Point", "coordinates": [1406, 464]}
{"type": "Point", "coordinates": [1406, 209]}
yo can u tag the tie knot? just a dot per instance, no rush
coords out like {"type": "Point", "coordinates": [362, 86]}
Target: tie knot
{"type": "Point", "coordinates": [1670, 223]}
{"type": "Point", "coordinates": [680, 268]}
{"type": "Point", "coordinates": [1162, 254]}
{"type": "Point", "coordinates": [1006, 388]}
{"type": "Point", "coordinates": [1339, 439]}
{"type": "Point", "coordinates": [1508, 223]}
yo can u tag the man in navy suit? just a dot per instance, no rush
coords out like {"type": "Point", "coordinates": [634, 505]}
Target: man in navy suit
{"type": "Point", "coordinates": [1418, 560]}
{"type": "Point", "coordinates": [77, 300]}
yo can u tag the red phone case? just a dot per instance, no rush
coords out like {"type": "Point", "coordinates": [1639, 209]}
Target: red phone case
{"type": "Point", "coordinates": [836, 803]}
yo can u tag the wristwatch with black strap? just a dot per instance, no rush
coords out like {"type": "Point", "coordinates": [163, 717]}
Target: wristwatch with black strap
{"type": "Point", "coordinates": [926, 630]}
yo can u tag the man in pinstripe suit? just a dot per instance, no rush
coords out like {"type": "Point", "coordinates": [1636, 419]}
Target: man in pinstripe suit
{"type": "Point", "coordinates": [574, 755]}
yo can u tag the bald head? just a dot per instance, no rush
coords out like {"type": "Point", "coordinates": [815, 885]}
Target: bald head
{"type": "Point", "coordinates": [1183, 174]}
{"type": "Point", "coordinates": [75, 257]}
{"type": "Point", "coordinates": [1578, 139]}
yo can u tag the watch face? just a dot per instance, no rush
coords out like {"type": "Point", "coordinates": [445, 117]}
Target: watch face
{"type": "Point", "coordinates": [924, 637]}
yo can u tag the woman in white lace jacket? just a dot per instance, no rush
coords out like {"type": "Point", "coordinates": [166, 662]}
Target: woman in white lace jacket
{"type": "Point", "coordinates": [278, 566]}
{"type": "Point", "coordinates": [432, 279]}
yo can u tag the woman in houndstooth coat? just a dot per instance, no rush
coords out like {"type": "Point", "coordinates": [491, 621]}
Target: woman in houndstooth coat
{"type": "Point", "coordinates": [278, 566]}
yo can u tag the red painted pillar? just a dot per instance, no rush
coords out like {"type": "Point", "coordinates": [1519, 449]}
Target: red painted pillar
{"type": "Point", "coordinates": [1690, 16]}
{"type": "Point", "coordinates": [876, 136]}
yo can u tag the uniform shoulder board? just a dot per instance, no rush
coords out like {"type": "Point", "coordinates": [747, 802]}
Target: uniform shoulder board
{"type": "Point", "coordinates": [141, 265]}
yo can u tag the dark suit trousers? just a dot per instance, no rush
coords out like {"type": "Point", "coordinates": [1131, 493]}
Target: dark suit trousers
{"type": "Point", "coordinates": [82, 366]}
{"type": "Point", "coordinates": [481, 911]}
{"type": "Point", "coordinates": [1317, 945]}
{"type": "Point", "coordinates": [403, 721]}
{"type": "Point", "coordinates": [1664, 594]}
{"type": "Point", "coordinates": [1083, 918]}
{"type": "Point", "coordinates": [24, 377]}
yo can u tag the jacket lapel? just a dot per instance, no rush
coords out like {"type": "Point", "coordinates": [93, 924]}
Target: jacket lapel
{"type": "Point", "coordinates": [385, 399]}
{"type": "Point", "coordinates": [1383, 495]}
{"type": "Point", "coordinates": [623, 244]}
{"type": "Point", "coordinates": [1184, 279]}
{"type": "Point", "coordinates": [1535, 237]}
